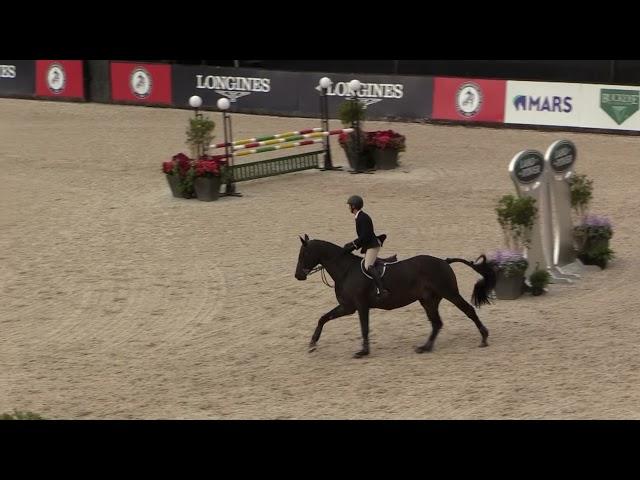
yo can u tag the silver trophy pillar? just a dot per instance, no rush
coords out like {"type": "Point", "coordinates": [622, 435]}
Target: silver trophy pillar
{"type": "Point", "coordinates": [529, 177]}
{"type": "Point", "coordinates": [560, 159]}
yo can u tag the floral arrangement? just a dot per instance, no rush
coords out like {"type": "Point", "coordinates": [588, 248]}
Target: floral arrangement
{"type": "Point", "coordinates": [511, 262]}
{"type": "Point", "coordinates": [593, 235]}
{"type": "Point", "coordinates": [210, 166]}
{"type": "Point", "coordinates": [386, 139]}
{"type": "Point", "coordinates": [182, 167]}
{"type": "Point", "coordinates": [178, 165]}
{"type": "Point", "coordinates": [594, 227]}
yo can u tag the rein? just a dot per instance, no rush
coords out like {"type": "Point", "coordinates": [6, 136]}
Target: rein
{"type": "Point", "coordinates": [322, 271]}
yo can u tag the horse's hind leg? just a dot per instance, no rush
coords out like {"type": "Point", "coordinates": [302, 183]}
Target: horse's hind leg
{"type": "Point", "coordinates": [339, 311]}
{"type": "Point", "coordinates": [364, 327]}
{"type": "Point", "coordinates": [470, 312]}
{"type": "Point", "coordinates": [430, 305]}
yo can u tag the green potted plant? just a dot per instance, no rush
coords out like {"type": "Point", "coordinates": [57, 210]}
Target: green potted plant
{"type": "Point", "coordinates": [581, 193]}
{"type": "Point", "coordinates": [170, 169]}
{"type": "Point", "coordinates": [539, 280]}
{"type": "Point", "coordinates": [351, 113]}
{"type": "Point", "coordinates": [385, 146]}
{"type": "Point", "coordinates": [510, 266]}
{"type": "Point", "coordinates": [592, 238]}
{"type": "Point", "coordinates": [209, 173]}
{"type": "Point", "coordinates": [516, 216]}
{"type": "Point", "coordinates": [200, 135]}
{"type": "Point", "coordinates": [20, 415]}
{"type": "Point", "coordinates": [187, 173]}
{"type": "Point", "coordinates": [181, 170]}
{"type": "Point", "coordinates": [180, 174]}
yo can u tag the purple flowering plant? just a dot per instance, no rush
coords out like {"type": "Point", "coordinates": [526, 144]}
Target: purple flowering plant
{"type": "Point", "coordinates": [511, 262]}
{"type": "Point", "coordinates": [594, 227]}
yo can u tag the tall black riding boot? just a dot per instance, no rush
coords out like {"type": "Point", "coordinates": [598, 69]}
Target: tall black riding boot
{"type": "Point", "coordinates": [382, 292]}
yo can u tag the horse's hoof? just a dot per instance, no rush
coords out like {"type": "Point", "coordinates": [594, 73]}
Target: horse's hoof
{"type": "Point", "coordinates": [484, 344]}
{"type": "Point", "coordinates": [423, 348]}
{"type": "Point", "coordinates": [361, 353]}
{"type": "Point", "coordinates": [312, 347]}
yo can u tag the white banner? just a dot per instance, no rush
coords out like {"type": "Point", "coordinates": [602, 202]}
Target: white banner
{"type": "Point", "coordinates": [612, 107]}
{"type": "Point", "coordinates": [544, 103]}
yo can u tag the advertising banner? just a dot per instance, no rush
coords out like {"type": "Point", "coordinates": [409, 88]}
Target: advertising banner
{"type": "Point", "coordinates": [469, 100]}
{"type": "Point", "coordinates": [612, 107]}
{"type": "Point", "coordinates": [248, 90]}
{"type": "Point", "coordinates": [295, 93]}
{"type": "Point", "coordinates": [17, 78]}
{"type": "Point", "coordinates": [544, 103]}
{"type": "Point", "coordinates": [60, 79]}
{"type": "Point", "coordinates": [384, 96]}
{"type": "Point", "coordinates": [141, 83]}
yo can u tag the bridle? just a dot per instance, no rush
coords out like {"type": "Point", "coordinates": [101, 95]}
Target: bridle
{"type": "Point", "coordinates": [322, 271]}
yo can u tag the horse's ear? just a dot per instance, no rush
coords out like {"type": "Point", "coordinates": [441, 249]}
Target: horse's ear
{"type": "Point", "coordinates": [306, 237]}
{"type": "Point", "coordinates": [302, 240]}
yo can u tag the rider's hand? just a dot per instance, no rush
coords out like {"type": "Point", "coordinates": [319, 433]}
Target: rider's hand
{"type": "Point", "coordinates": [348, 247]}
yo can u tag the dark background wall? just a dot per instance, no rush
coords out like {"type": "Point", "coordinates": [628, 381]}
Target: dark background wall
{"type": "Point", "coordinates": [582, 71]}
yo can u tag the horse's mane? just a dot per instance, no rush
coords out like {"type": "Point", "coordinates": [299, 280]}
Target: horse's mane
{"type": "Point", "coordinates": [329, 245]}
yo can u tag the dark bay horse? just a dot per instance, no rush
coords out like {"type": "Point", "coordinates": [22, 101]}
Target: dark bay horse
{"type": "Point", "coordinates": [421, 278]}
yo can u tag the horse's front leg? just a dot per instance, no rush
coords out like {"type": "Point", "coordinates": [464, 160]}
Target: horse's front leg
{"type": "Point", "coordinates": [339, 311]}
{"type": "Point", "coordinates": [364, 327]}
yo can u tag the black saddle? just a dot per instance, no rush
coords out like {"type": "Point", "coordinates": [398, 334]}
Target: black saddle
{"type": "Point", "coordinates": [380, 265]}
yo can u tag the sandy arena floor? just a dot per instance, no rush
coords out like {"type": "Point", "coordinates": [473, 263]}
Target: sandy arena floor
{"type": "Point", "coordinates": [119, 301]}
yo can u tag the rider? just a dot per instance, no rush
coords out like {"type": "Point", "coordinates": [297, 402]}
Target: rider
{"type": "Point", "coordinates": [367, 241]}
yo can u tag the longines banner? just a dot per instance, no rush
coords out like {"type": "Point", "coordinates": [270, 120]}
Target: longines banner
{"type": "Point", "coordinates": [248, 90]}
{"type": "Point", "coordinates": [295, 93]}
{"type": "Point", "coordinates": [384, 96]}
{"type": "Point", "coordinates": [17, 77]}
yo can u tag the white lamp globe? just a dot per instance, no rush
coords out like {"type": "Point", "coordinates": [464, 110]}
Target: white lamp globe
{"type": "Point", "coordinates": [223, 104]}
{"type": "Point", "coordinates": [195, 101]}
{"type": "Point", "coordinates": [325, 82]}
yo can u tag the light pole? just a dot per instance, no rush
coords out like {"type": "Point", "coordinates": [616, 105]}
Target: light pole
{"type": "Point", "coordinates": [223, 105]}
{"type": "Point", "coordinates": [354, 87]}
{"type": "Point", "coordinates": [195, 102]}
{"type": "Point", "coordinates": [323, 86]}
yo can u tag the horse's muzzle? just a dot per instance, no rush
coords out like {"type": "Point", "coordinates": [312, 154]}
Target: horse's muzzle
{"type": "Point", "coordinates": [302, 275]}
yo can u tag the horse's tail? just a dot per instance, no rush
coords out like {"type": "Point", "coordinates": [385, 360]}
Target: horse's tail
{"type": "Point", "coordinates": [486, 284]}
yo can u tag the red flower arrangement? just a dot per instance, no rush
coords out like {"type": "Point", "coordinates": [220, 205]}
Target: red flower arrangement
{"type": "Point", "coordinates": [178, 165]}
{"type": "Point", "coordinates": [383, 139]}
{"type": "Point", "coordinates": [343, 138]}
{"type": "Point", "coordinates": [210, 165]}
{"type": "Point", "coordinates": [386, 139]}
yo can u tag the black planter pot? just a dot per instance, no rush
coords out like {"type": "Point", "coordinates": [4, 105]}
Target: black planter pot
{"type": "Point", "coordinates": [174, 181]}
{"type": "Point", "coordinates": [207, 188]}
{"type": "Point", "coordinates": [590, 245]}
{"type": "Point", "coordinates": [361, 162]}
{"type": "Point", "coordinates": [509, 288]}
{"type": "Point", "coordinates": [385, 158]}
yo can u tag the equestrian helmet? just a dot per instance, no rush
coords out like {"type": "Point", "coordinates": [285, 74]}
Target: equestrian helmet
{"type": "Point", "coordinates": [356, 202]}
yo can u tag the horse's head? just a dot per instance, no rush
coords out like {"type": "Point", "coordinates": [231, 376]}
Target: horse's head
{"type": "Point", "coordinates": [307, 259]}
